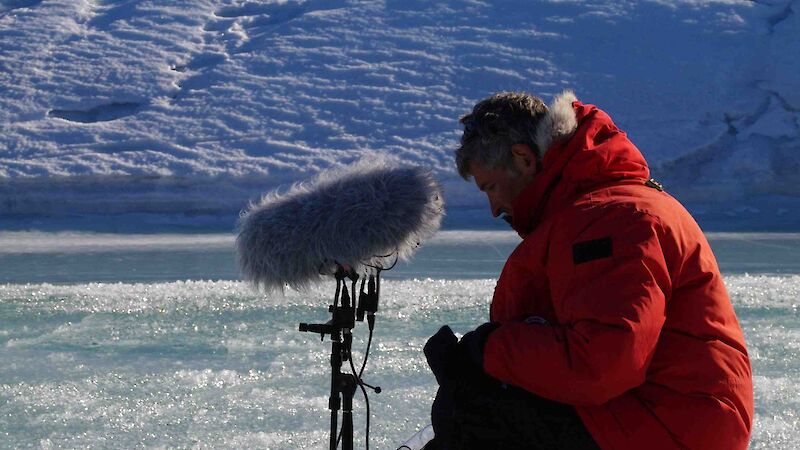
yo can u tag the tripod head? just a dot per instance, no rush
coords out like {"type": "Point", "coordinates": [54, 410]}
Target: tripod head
{"type": "Point", "coordinates": [343, 313]}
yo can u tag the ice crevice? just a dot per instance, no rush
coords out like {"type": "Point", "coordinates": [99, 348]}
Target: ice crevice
{"type": "Point", "coordinates": [101, 113]}
{"type": "Point", "coordinates": [783, 101]}
{"type": "Point", "coordinates": [759, 145]}
{"type": "Point", "coordinates": [775, 19]}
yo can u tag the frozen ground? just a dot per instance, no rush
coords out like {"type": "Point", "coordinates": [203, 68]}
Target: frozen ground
{"type": "Point", "coordinates": [154, 356]}
{"type": "Point", "coordinates": [184, 110]}
{"type": "Point", "coordinates": [210, 364]}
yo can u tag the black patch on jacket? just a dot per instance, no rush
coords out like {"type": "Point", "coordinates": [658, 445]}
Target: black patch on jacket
{"type": "Point", "coordinates": [590, 250]}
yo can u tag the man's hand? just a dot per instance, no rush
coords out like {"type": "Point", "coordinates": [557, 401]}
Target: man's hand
{"type": "Point", "coordinates": [440, 352]}
{"type": "Point", "coordinates": [458, 367]}
{"type": "Point", "coordinates": [450, 359]}
{"type": "Point", "coordinates": [470, 348]}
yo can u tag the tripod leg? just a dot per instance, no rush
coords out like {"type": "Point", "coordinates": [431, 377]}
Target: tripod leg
{"type": "Point", "coordinates": [334, 428]}
{"type": "Point", "coordinates": [348, 391]}
{"type": "Point", "coordinates": [347, 430]}
{"type": "Point", "coordinates": [335, 400]}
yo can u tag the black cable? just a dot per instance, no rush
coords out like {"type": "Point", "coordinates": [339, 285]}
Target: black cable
{"type": "Point", "coordinates": [361, 384]}
{"type": "Point", "coordinates": [336, 295]}
{"type": "Point", "coordinates": [366, 397]}
{"type": "Point", "coordinates": [378, 285]}
{"type": "Point", "coordinates": [376, 267]}
{"type": "Point", "coordinates": [396, 258]}
{"type": "Point", "coordinates": [366, 355]}
{"type": "Point", "coordinates": [353, 290]}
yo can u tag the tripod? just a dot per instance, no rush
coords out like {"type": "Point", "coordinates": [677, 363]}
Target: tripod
{"type": "Point", "coordinates": [343, 385]}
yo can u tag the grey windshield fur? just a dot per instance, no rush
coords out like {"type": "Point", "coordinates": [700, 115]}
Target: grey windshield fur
{"type": "Point", "coordinates": [355, 215]}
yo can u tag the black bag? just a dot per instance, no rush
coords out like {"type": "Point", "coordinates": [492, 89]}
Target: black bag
{"type": "Point", "coordinates": [478, 412]}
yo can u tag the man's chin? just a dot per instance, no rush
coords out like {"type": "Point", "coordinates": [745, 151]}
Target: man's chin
{"type": "Point", "coordinates": [509, 220]}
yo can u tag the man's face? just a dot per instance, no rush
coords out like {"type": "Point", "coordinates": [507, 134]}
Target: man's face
{"type": "Point", "coordinates": [501, 186]}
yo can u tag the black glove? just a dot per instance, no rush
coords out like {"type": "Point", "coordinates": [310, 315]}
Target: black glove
{"type": "Point", "coordinates": [440, 351]}
{"type": "Point", "coordinates": [470, 348]}
{"type": "Point", "coordinates": [458, 367]}
{"type": "Point", "coordinates": [442, 417]}
{"type": "Point", "coordinates": [450, 359]}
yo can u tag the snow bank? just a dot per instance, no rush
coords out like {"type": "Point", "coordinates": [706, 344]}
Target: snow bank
{"type": "Point", "coordinates": [195, 107]}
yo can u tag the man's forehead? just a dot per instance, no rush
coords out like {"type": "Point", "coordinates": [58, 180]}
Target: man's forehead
{"type": "Point", "coordinates": [483, 176]}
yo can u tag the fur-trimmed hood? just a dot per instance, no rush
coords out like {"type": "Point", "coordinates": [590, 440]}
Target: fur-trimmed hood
{"type": "Point", "coordinates": [558, 123]}
{"type": "Point", "coordinates": [582, 150]}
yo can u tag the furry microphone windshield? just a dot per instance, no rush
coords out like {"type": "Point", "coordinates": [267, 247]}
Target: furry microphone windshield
{"type": "Point", "coordinates": [355, 216]}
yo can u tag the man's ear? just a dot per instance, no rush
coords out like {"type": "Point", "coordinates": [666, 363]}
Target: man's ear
{"type": "Point", "coordinates": [524, 158]}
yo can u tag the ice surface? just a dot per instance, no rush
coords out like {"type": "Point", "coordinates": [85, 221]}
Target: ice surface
{"type": "Point", "coordinates": [211, 364]}
{"type": "Point", "coordinates": [214, 364]}
{"type": "Point", "coordinates": [69, 257]}
{"type": "Point", "coordinates": [193, 107]}
{"type": "Point", "coordinates": [74, 242]}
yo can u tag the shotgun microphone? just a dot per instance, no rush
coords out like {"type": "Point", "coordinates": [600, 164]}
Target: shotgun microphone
{"type": "Point", "coordinates": [359, 215]}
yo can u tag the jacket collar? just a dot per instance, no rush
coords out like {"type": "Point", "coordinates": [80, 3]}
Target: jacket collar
{"type": "Point", "coordinates": [583, 150]}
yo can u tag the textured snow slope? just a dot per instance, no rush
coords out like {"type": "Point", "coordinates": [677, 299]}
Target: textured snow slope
{"type": "Point", "coordinates": [194, 107]}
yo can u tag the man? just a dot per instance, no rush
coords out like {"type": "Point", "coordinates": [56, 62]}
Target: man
{"type": "Point", "coordinates": [610, 325]}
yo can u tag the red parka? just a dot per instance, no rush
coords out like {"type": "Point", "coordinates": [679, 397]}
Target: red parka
{"type": "Point", "coordinates": [641, 335]}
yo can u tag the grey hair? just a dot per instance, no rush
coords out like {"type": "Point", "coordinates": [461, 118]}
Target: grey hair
{"type": "Point", "coordinates": [494, 125]}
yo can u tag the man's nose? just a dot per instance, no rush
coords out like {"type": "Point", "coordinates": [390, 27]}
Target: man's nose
{"type": "Point", "coordinates": [494, 207]}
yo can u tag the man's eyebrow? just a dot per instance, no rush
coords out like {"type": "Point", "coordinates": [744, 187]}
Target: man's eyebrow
{"type": "Point", "coordinates": [482, 186]}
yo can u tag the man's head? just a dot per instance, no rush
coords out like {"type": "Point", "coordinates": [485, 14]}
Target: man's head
{"type": "Point", "coordinates": [498, 147]}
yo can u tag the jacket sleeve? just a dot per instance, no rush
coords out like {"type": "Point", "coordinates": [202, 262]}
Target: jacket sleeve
{"type": "Point", "coordinates": [609, 284]}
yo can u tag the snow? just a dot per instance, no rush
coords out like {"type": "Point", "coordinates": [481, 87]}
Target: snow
{"type": "Point", "coordinates": [79, 242]}
{"type": "Point", "coordinates": [195, 107]}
